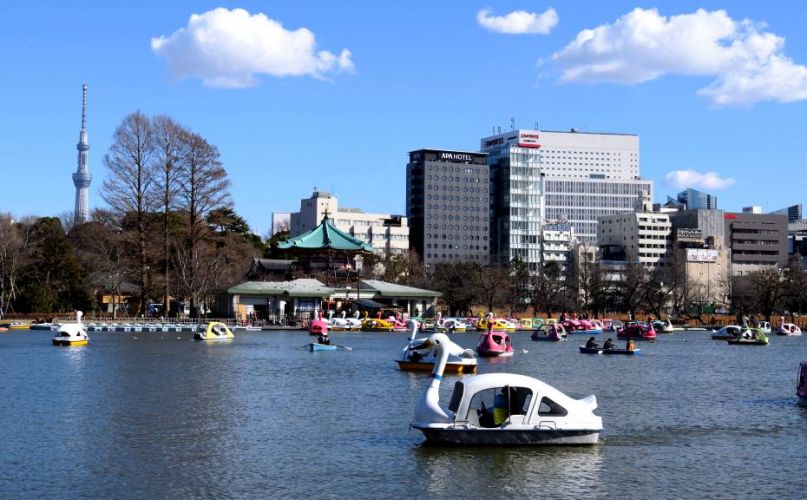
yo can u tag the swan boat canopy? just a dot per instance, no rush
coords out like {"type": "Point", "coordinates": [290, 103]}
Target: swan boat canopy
{"type": "Point", "coordinates": [417, 356]}
{"type": "Point", "coordinates": [502, 409]}
{"type": "Point", "coordinates": [215, 331]}
{"type": "Point", "coordinates": [801, 383]}
{"type": "Point", "coordinates": [72, 334]}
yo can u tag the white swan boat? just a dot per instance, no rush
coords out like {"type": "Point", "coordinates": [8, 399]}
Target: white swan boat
{"type": "Point", "coordinates": [417, 357]}
{"type": "Point", "coordinates": [343, 323]}
{"type": "Point", "coordinates": [502, 409]}
{"type": "Point", "coordinates": [214, 331]}
{"type": "Point", "coordinates": [72, 334]}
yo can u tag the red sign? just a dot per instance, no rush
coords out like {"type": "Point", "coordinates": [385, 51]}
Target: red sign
{"type": "Point", "coordinates": [730, 216]}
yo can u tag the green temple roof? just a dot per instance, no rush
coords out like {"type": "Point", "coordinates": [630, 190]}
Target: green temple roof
{"type": "Point", "coordinates": [325, 236]}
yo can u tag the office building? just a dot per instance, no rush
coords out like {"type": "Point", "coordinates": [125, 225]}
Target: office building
{"type": "Point", "coordinates": [645, 237]}
{"type": "Point", "coordinates": [575, 177]}
{"type": "Point", "coordinates": [793, 212]}
{"type": "Point", "coordinates": [448, 205]}
{"type": "Point", "coordinates": [387, 233]}
{"type": "Point", "coordinates": [756, 241]}
{"type": "Point", "coordinates": [710, 223]}
{"type": "Point", "coordinates": [693, 199]}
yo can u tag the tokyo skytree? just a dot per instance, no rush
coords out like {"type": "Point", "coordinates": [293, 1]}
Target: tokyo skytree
{"type": "Point", "coordinates": [82, 177]}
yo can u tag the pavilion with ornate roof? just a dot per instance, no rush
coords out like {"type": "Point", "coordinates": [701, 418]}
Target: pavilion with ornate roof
{"type": "Point", "coordinates": [327, 252]}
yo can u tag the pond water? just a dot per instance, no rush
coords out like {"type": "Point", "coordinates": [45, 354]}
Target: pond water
{"type": "Point", "coordinates": [157, 415]}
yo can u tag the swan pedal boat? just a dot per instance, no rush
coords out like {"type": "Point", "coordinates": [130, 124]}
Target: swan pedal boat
{"type": "Point", "coordinates": [728, 333]}
{"type": "Point", "coordinates": [600, 350]}
{"type": "Point", "coordinates": [215, 331]}
{"type": "Point", "coordinates": [760, 340]}
{"type": "Point", "coordinates": [72, 334]}
{"type": "Point", "coordinates": [801, 384]}
{"type": "Point", "coordinates": [417, 358]}
{"type": "Point", "coordinates": [788, 330]}
{"type": "Point", "coordinates": [535, 413]}
{"type": "Point", "coordinates": [551, 333]}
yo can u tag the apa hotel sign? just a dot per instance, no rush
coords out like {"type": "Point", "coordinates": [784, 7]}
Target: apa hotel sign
{"type": "Point", "coordinates": [446, 156]}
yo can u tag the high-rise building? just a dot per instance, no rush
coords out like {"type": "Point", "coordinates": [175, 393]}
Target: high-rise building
{"type": "Point", "coordinates": [82, 177]}
{"type": "Point", "coordinates": [547, 176]}
{"type": "Point", "coordinates": [693, 199]}
{"type": "Point", "coordinates": [793, 212]}
{"type": "Point", "coordinates": [756, 241]}
{"type": "Point", "coordinates": [644, 236]}
{"type": "Point", "coordinates": [448, 205]}
{"type": "Point", "coordinates": [388, 233]}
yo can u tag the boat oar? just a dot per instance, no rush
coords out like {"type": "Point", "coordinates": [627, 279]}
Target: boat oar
{"type": "Point", "coordinates": [343, 347]}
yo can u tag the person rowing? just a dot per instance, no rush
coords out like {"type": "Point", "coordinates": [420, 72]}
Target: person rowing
{"type": "Point", "coordinates": [592, 343]}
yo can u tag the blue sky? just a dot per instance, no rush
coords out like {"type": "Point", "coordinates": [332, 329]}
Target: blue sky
{"type": "Point", "coordinates": [399, 76]}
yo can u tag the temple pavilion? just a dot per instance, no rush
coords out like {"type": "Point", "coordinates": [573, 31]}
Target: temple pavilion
{"type": "Point", "coordinates": [326, 252]}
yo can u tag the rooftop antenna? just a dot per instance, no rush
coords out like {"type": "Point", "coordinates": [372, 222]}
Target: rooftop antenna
{"type": "Point", "coordinates": [500, 130]}
{"type": "Point", "coordinates": [512, 122]}
{"type": "Point", "coordinates": [494, 130]}
{"type": "Point", "coordinates": [536, 125]}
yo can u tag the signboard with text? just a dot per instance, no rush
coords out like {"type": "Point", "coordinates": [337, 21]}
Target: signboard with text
{"type": "Point", "coordinates": [702, 255]}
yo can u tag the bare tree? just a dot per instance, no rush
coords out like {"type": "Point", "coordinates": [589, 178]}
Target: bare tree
{"type": "Point", "coordinates": [168, 136]}
{"type": "Point", "coordinates": [100, 246]}
{"type": "Point", "coordinates": [13, 242]}
{"type": "Point", "coordinates": [129, 187]}
{"type": "Point", "coordinates": [203, 187]}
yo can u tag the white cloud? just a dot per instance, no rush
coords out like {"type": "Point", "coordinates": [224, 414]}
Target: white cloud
{"type": "Point", "coordinates": [519, 22]}
{"type": "Point", "coordinates": [230, 48]}
{"type": "Point", "coordinates": [695, 179]}
{"type": "Point", "coordinates": [748, 64]}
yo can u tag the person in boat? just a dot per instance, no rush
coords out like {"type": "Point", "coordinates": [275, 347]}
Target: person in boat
{"type": "Point", "coordinates": [592, 343]}
{"type": "Point", "coordinates": [631, 345]}
{"type": "Point", "coordinates": [500, 410]}
{"type": "Point", "coordinates": [562, 317]}
{"type": "Point", "coordinates": [609, 344]}
{"type": "Point", "coordinates": [753, 335]}
{"type": "Point", "coordinates": [323, 339]}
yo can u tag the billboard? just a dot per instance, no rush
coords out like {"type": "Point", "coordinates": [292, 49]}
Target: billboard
{"type": "Point", "coordinates": [702, 255]}
{"type": "Point", "coordinates": [529, 139]}
{"type": "Point", "coordinates": [687, 233]}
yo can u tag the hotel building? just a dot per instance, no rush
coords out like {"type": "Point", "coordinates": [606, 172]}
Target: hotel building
{"type": "Point", "coordinates": [448, 205]}
{"type": "Point", "coordinates": [547, 176]}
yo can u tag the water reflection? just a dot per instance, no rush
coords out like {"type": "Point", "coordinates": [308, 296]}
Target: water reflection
{"type": "Point", "coordinates": [517, 472]}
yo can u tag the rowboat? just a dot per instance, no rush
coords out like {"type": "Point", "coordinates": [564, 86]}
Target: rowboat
{"type": "Point", "coordinates": [314, 347]}
{"type": "Point", "coordinates": [600, 350]}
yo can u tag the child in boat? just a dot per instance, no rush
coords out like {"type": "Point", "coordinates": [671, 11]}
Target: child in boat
{"type": "Point", "coordinates": [630, 345]}
{"type": "Point", "coordinates": [323, 339]}
{"type": "Point", "coordinates": [500, 412]}
{"type": "Point", "coordinates": [592, 343]}
{"type": "Point", "coordinates": [609, 344]}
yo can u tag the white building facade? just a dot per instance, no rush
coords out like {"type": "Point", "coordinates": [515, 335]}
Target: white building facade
{"type": "Point", "coordinates": [646, 237]}
{"type": "Point", "coordinates": [388, 233]}
{"type": "Point", "coordinates": [540, 176]}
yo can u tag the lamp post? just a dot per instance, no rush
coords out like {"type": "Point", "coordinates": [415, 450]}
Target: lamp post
{"type": "Point", "coordinates": [358, 262]}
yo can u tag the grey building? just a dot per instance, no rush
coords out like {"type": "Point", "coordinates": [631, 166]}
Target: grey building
{"type": "Point", "coordinates": [793, 212]}
{"type": "Point", "coordinates": [693, 199]}
{"type": "Point", "coordinates": [756, 241]}
{"type": "Point", "coordinates": [711, 223]}
{"type": "Point", "coordinates": [448, 205]}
